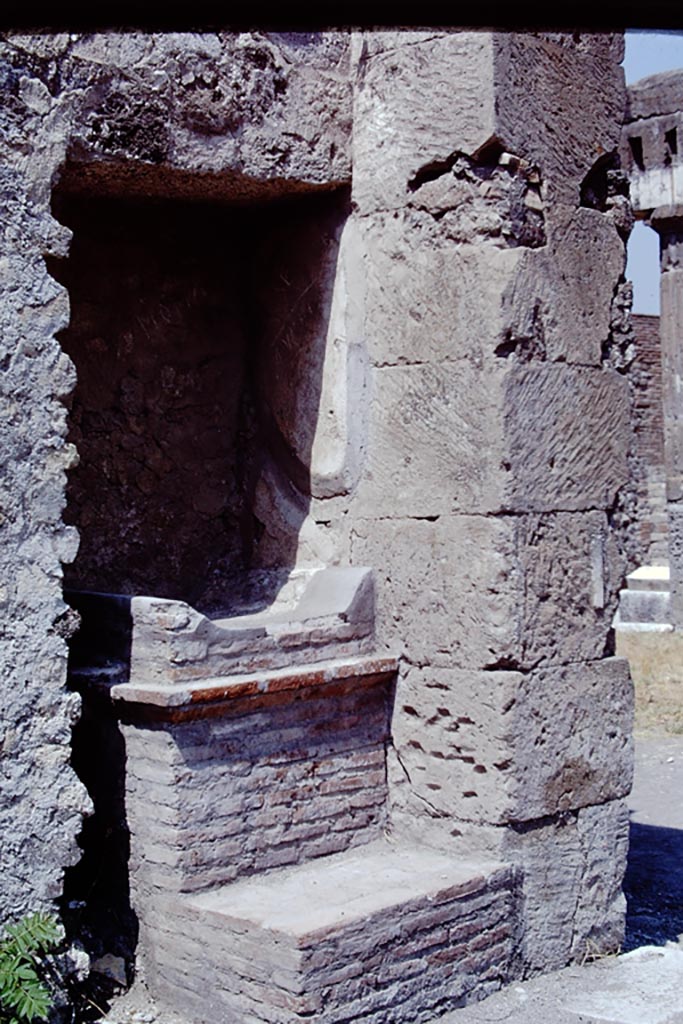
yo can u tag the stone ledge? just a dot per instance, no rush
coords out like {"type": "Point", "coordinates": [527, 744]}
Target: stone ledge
{"type": "Point", "coordinates": [312, 900]}
{"type": "Point", "coordinates": [181, 699]}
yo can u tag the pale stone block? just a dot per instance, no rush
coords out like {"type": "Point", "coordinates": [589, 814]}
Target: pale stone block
{"type": "Point", "coordinates": [675, 520]}
{"type": "Point", "coordinates": [457, 437]}
{"type": "Point", "coordinates": [569, 569]}
{"type": "Point", "coordinates": [428, 301]}
{"type": "Point", "coordinates": [505, 746]}
{"type": "Point", "coordinates": [504, 591]}
{"type": "Point", "coordinates": [405, 117]}
{"type": "Point", "coordinates": [435, 440]}
{"type": "Point", "coordinates": [573, 869]}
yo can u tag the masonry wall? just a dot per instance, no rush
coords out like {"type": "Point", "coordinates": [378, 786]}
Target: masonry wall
{"type": "Point", "coordinates": [649, 426]}
{"type": "Point", "coordinates": [175, 117]}
{"type": "Point", "coordinates": [263, 783]}
{"type": "Point", "coordinates": [496, 462]}
{"type": "Point", "coordinates": [466, 434]}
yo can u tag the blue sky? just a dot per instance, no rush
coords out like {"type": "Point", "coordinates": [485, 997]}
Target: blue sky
{"type": "Point", "coordinates": [646, 54]}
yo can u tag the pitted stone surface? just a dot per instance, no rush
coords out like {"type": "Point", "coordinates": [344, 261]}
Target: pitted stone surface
{"type": "Point", "coordinates": [506, 747]}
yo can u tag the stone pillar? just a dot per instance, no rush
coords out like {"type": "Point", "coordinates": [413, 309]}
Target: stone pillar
{"type": "Point", "coordinates": [668, 223]}
{"type": "Point", "coordinates": [496, 456]}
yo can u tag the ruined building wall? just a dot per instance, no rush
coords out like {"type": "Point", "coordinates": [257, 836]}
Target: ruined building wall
{"type": "Point", "coordinates": [437, 397]}
{"type": "Point", "coordinates": [225, 119]}
{"type": "Point", "coordinates": [496, 455]}
{"type": "Point", "coordinates": [646, 374]}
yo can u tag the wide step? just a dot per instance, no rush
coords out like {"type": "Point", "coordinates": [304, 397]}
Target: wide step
{"type": "Point", "coordinates": [379, 933]}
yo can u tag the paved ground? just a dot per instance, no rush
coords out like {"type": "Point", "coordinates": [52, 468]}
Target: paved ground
{"type": "Point", "coordinates": [645, 985]}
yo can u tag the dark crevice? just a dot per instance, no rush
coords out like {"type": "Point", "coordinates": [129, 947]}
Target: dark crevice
{"type": "Point", "coordinates": [636, 146]}
{"type": "Point", "coordinates": [432, 171]}
{"type": "Point", "coordinates": [527, 347]}
{"type": "Point", "coordinates": [504, 664]}
{"type": "Point", "coordinates": [605, 186]}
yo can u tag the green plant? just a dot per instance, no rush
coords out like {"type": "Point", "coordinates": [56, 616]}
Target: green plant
{"type": "Point", "coordinates": [25, 990]}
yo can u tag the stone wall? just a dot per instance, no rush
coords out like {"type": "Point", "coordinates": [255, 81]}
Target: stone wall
{"type": "Point", "coordinates": [497, 457]}
{"type": "Point", "coordinates": [438, 396]}
{"type": "Point", "coordinates": [173, 116]}
{"type": "Point", "coordinates": [649, 426]}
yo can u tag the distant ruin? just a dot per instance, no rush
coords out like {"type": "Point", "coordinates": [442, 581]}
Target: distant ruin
{"type": "Point", "coordinates": [317, 501]}
{"type": "Point", "coordinates": [650, 615]}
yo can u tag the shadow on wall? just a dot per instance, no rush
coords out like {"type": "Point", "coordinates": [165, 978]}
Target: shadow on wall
{"type": "Point", "coordinates": [654, 886]}
{"type": "Point", "coordinates": [198, 331]}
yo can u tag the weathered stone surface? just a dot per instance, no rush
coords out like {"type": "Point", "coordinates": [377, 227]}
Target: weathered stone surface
{"type": "Point", "coordinates": [430, 448]}
{"type": "Point", "coordinates": [549, 124]}
{"type": "Point", "coordinates": [562, 284]}
{"type": "Point", "coordinates": [233, 105]}
{"type": "Point", "coordinates": [519, 590]}
{"type": "Point", "coordinates": [428, 301]}
{"type": "Point", "coordinates": [42, 803]}
{"type": "Point", "coordinates": [502, 746]}
{"type": "Point", "coordinates": [569, 571]}
{"type": "Point", "coordinates": [465, 612]}
{"type": "Point", "coordinates": [574, 863]}
{"type": "Point", "coordinates": [580, 417]}
{"type": "Point", "coordinates": [393, 139]}
{"type": "Point", "coordinates": [656, 94]}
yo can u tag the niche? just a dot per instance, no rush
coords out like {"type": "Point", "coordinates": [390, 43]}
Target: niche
{"type": "Point", "coordinates": [198, 333]}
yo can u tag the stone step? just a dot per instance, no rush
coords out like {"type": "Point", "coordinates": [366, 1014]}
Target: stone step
{"type": "Point", "coordinates": [385, 932]}
{"type": "Point", "coordinates": [644, 606]}
{"type": "Point", "coordinates": [649, 577]}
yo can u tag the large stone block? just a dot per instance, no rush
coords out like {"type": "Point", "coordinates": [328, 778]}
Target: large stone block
{"type": "Point", "coordinates": [508, 591]}
{"type": "Point", "coordinates": [504, 746]}
{"type": "Point", "coordinates": [569, 569]}
{"type": "Point", "coordinates": [405, 117]}
{"type": "Point", "coordinates": [432, 447]}
{"type": "Point", "coordinates": [567, 431]}
{"type": "Point", "coordinates": [231, 106]}
{"type": "Point", "coordinates": [428, 301]}
{"type": "Point", "coordinates": [572, 116]}
{"type": "Point", "coordinates": [558, 305]}
{"type": "Point", "coordinates": [495, 435]}
{"type": "Point", "coordinates": [445, 588]}
{"type": "Point", "coordinates": [573, 869]}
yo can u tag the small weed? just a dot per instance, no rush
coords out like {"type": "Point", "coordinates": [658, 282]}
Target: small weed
{"type": "Point", "coordinates": [27, 980]}
{"type": "Point", "coordinates": [595, 952]}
